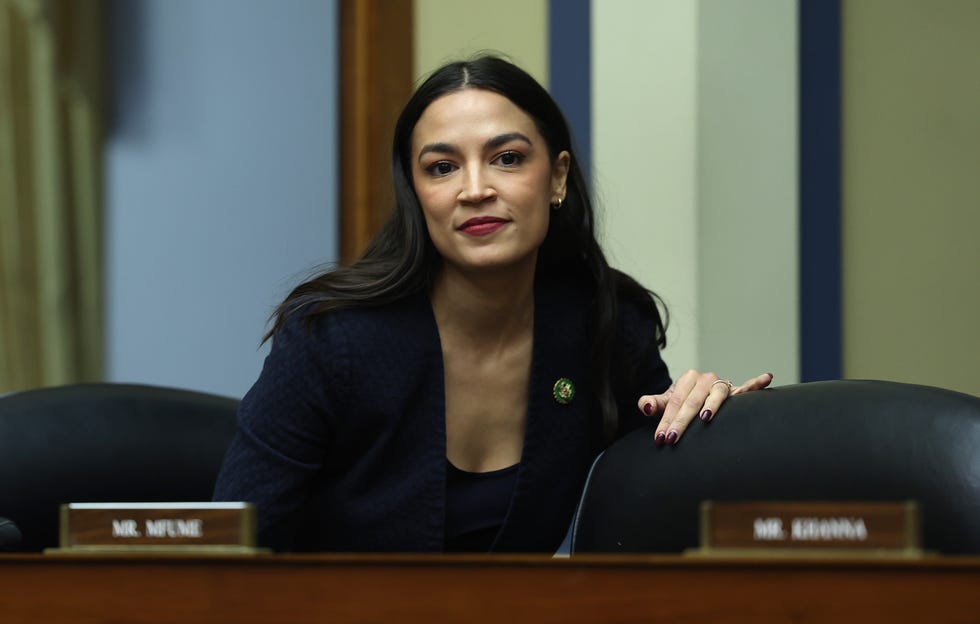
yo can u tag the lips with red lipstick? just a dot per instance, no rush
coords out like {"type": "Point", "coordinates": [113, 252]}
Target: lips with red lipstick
{"type": "Point", "coordinates": [482, 226]}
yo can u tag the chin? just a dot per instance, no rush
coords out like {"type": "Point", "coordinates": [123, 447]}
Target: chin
{"type": "Point", "coordinates": [495, 263]}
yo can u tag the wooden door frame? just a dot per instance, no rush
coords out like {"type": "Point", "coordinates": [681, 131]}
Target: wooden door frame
{"type": "Point", "coordinates": [376, 76]}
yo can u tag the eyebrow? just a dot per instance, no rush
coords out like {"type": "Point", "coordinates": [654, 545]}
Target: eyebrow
{"type": "Point", "coordinates": [497, 141]}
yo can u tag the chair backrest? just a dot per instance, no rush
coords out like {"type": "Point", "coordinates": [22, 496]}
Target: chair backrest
{"type": "Point", "coordinates": [829, 441]}
{"type": "Point", "coordinates": [106, 443]}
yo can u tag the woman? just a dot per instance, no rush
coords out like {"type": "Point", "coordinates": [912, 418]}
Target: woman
{"type": "Point", "coordinates": [449, 390]}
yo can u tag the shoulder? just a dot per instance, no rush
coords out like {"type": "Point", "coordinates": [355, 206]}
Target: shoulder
{"type": "Point", "coordinates": [567, 300]}
{"type": "Point", "coordinates": [362, 325]}
{"type": "Point", "coordinates": [357, 350]}
{"type": "Point", "coordinates": [354, 343]}
{"type": "Point", "coordinates": [637, 316]}
{"type": "Point", "coordinates": [639, 334]}
{"type": "Point", "coordinates": [637, 308]}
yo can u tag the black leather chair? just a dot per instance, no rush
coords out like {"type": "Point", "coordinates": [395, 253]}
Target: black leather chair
{"type": "Point", "coordinates": [105, 443]}
{"type": "Point", "coordinates": [834, 440]}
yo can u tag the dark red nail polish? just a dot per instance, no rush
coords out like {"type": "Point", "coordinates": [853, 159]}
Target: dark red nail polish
{"type": "Point", "coordinates": [648, 408]}
{"type": "Point", "coordinates": [706, 415]}
{"type": "Point", "coordinates": [659, 439]}
{"type": "Point", "coordinates": [671, 437]}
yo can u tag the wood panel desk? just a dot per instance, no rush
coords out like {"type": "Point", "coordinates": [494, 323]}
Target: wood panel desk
{"type": "Point", "coordinates": [498, 588]}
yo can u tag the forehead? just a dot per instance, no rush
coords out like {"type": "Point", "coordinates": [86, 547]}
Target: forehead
{"type": "Point", "coordinates": [475, 114]}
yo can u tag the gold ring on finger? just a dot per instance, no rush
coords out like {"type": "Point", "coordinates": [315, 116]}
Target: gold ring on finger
{"type": "Point", "coordinates": [727, 382]}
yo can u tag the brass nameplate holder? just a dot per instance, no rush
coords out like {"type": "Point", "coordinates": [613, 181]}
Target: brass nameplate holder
{"type": "Point", "coordinates": [158, 527]}
{"type": "Point", "coordinates": [810, 528]}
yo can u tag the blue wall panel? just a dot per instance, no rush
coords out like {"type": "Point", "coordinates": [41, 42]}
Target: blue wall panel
{"type": "Point", "coordinates": [820, 190]}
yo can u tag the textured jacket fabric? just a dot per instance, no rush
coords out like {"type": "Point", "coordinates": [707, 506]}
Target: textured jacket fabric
{"type": "Point", "coordinates": [341, 442]}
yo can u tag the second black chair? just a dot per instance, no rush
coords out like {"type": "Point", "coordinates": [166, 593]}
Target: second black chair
{"type": "Point", "coordinates": [821, 441]}
{"type": "Point", "coordinates": [106, 443]}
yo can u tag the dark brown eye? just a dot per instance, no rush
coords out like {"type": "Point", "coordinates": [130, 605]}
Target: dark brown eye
{"type": "Point", "coordinates": [440, 168]}
{"type": "Point", "coordinates": [510, 159]}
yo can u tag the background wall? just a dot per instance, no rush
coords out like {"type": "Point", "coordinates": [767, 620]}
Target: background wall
{"type": "Point", "coordinates": [912, 191]}
{"type": "Point", "coordinates": [644, 120]}
{"type": "Point", "coordinates": [748, 205]}
{"type": "Point", "coordinates": [447, 30]}
{"type": "Point", "coordinates": [220, 180]}
{"type": "Point", "coordinates": [695, 135]}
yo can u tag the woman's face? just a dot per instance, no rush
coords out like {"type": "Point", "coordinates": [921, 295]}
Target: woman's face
{"type": "Point", "coordinates": [483, 176]}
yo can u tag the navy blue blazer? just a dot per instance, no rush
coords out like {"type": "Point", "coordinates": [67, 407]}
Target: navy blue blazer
{"type": "Point", "coordinates": [341, 442]}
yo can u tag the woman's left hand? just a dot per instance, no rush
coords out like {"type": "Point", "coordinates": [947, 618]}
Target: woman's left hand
{"type": "Point", "coordinates": [693, 395]}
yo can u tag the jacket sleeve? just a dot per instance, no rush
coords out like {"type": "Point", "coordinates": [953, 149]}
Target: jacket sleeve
{"type": "Point", "coordinates": [638, 368]}
{"type": "Point", "coordinates": [284, 426]}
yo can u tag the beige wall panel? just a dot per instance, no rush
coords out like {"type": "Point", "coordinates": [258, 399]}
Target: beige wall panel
{"type": "Point", "coordinates": [448, 30]}
{"type": "Point", "coordinates": [912, 191]}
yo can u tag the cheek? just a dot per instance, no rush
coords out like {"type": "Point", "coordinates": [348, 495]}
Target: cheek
{"type": "Point", "coordinates": [433, 205]}
{"type": "Point", "coordinates": [543, 222]}
{"type": "Point", "coordinates": [542, 195]}
{"type": "Point", "coordinates": [424, 193]}
{"type": "Point", "coordinates": [437, 217]}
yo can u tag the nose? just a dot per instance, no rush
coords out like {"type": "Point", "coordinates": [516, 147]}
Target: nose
{"type": "Point", "coordinates": [476, 187]}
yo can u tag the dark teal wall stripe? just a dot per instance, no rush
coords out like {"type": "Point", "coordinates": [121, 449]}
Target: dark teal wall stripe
{"type": "Point", "coordinates": [820, 190]}
{"type": "Point", "coordinates": [570, 70]}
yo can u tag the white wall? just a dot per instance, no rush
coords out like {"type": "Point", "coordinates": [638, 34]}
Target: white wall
{"type": "Point", "coordinates": [694, 138]}
{"type": "Point", "coordinates": [748, 203]}
{"type": "Point", "coordinates": [220, 180]}
{"type": "Point", "coordinates": [644, 138]}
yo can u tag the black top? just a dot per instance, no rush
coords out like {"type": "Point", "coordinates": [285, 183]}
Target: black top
{"type": "Point", "coordinates": [476, 505]}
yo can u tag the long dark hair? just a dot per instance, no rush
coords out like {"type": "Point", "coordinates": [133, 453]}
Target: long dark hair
{"type": "Point", "coordinates": [401, 259]}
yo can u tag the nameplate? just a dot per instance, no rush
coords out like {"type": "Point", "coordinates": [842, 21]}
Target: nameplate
{"type": "Point", "coordinates": [859, 527]}
{"type": "Point", "coordinates": [157, 526]}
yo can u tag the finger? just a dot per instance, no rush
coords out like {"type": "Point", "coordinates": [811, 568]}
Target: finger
{"type": "Point", "coordinates": [690, 392]}
{"type": "Point", "coordinates": [653, 404]}
{"type": "Point", "coordinates": [756, 383]}
{"type": "Point", "coordinates": [719, 392]}
{"type": "Point", "coordinates": [681, 388]}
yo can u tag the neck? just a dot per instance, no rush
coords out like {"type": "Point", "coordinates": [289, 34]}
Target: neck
{"type": "Point", "coordinates": [483, 310]}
